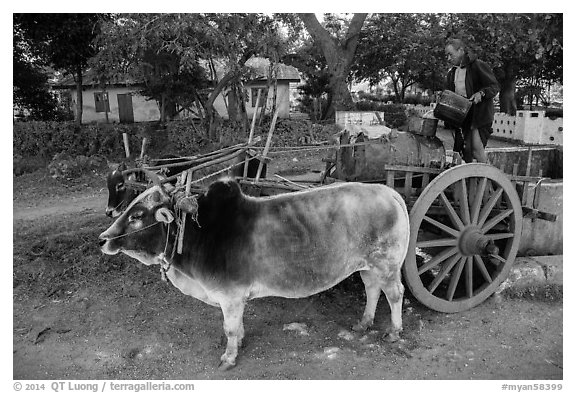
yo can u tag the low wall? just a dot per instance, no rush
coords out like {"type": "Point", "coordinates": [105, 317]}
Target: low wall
{"type": "Point", "coordinates": [539, 237]}
{"type": "Point", "coordinates": [531, 127]}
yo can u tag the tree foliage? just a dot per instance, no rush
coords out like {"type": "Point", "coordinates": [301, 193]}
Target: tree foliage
{"type": "Point", "coordinates": [142, 44]}
{"type": "Point", "coordinates": [30, 83]}
{"type": "Point", "coordinates": [63, 41]}
{"type": "Point", "coordinates": [406, 48]}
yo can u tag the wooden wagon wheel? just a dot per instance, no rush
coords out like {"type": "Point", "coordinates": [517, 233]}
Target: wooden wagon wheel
{"type": "Point", "coordinates": [465, 231]}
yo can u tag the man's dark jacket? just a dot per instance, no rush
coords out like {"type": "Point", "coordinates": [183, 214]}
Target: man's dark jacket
{"type": "Point", "coordinates": [479, 77]}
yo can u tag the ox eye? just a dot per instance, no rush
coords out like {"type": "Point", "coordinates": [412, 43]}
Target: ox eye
{"type": "Point", "coordinates": [137, 215]}
{"type": "Point", "coordinates": [120, 187]}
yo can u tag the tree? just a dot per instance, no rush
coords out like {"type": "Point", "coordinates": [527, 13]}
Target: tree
{"type": "Point", "coordinates": [65, 41]}
{"type": "Point", "coordinates": [407, 48]}
{"type": "Point", "coordinates": [30, 81]}
{"type": "Point", "coordinates": [194, 39]}
{"type": "Point", "coordinates": [339, 53]}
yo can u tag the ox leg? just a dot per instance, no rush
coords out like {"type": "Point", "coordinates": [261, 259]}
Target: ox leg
{"type": "Point", "coordinates": [373, 286]}
{"type": "Point", "coordinates": [394, 291]}
{"type": "Point", "coordinates": [234, 330]}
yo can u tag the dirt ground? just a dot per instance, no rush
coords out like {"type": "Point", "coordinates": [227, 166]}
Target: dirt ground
{"type": "Point", "coordinates": [78, 314]}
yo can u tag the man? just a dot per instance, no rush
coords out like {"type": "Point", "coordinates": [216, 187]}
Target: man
{"type": "Point", "coordinates": [473, 79]}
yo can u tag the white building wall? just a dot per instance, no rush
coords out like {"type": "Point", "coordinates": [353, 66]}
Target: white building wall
{"type": "Point", "coordinates": [282, 101]}
{"type": "Point", "coordinates": [144, 110]}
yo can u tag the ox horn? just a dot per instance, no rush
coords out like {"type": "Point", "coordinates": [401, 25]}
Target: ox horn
{"type": "Point", "coordinates": [156, 180]}
{"type": "Point", "coordinates": [164, 215]}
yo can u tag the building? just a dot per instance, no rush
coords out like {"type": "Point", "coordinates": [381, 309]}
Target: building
{"type": "Point", "coordinates": [121, 102]}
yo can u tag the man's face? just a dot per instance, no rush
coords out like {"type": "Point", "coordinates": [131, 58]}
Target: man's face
{"type": "Point", "coordinates": [454, 56]}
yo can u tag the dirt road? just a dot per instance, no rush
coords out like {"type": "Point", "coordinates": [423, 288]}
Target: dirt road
{"type": "Point", "coordinates": [79, 314]}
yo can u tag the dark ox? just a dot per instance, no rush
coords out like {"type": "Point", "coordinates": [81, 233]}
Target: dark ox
{"type": "Point", "coordinates": [120, 196]}
{"type": "Point", "coordinates": [238, 247]}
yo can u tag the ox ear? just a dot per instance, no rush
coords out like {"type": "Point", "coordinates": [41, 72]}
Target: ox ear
{"type": "Point", "coordinates": [153, 177]}
{"type": "Point", "coordinates": [164, 215]}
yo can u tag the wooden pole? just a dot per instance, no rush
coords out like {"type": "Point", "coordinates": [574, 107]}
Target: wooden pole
{"type": "Point", "coordinates": [143, 149]}
{"type": "Point", "coordinates": [268, 142]}
{"type": "Point", "coordinates": [251, 136]}
{"type": "Point", "coordinates": [126, 144]}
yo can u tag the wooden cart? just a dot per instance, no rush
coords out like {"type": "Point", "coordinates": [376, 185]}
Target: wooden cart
{"type": "Point", "coordinates": [465, 225]}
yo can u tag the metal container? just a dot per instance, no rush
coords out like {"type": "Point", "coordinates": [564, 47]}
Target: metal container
{"type": "Point", "coordinates": [452, 107]}
{"type": "Point", "coordinates": [363, 159]}
{"type": "Point", "coordinates": [429, 127]}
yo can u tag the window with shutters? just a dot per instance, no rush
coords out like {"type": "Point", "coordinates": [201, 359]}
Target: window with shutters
{"type": "Point", "coordinates": [101, 101]}
{"type": "Point", "coordinates": [263, 96]}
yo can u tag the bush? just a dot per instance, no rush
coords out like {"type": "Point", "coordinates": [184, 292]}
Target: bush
{"type": "Point", "coordinates": [394, 114]}
{"type": "Point", "coordinates": [64, 166]}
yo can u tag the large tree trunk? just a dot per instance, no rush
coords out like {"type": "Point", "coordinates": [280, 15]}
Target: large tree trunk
{"type": "Point", "coordinates": [212, 116]}
{"type": "Point", "coordinates": [79, 97]}
{"type": "Point", "coordinates": [507, 92]}
{"type": "Point", "coordinates": [338, 57]}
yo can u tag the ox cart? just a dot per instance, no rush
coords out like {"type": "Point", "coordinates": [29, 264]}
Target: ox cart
{"type": "Point", "coordinates": [465, 219]}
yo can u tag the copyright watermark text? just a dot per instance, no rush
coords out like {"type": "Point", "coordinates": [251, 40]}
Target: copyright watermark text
{"type": "Point", "coordinates": [533, 386]}
{"type": "Point", "coordinates": [102, 386]}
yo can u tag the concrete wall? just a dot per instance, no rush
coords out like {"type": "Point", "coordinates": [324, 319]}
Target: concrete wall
{"type": "Point", "coordinates": [282, 101]}
{"type": "Point", "coordinates": [539, 237]}
{"type": "Point", "coordinates": [544, 161]}
{"type": "Point", "coordinates": [530, 127]}
{"type": "Point", "coordinates": [148, 110]}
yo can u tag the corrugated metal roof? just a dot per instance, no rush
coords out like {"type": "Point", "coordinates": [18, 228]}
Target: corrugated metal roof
{"type": "Point", "coordinates": [260, 66]}
{"type": "Point", "coordinates": [89, 78]}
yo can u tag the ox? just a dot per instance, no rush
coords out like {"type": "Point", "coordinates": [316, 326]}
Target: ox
{"type": "Point", "coordinates": [120, 196]}
{"type": "Point", "coordinates": [237, 247]}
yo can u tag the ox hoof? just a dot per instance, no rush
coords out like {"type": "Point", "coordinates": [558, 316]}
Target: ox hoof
{"type": "Point", "coordinates": [392, 337]}
{"type": "Point", "coordinates": [361, 327]}
{"type": "Point", "coordinates": [226, 365]}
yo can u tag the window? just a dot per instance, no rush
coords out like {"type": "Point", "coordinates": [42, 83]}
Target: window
{"type": "Point", "coordinates": [263, 96]}
{"type": "Point", "coordinates": [101, 101]}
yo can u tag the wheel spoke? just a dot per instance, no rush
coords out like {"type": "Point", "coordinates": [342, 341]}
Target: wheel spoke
{"type": "Point", "coordinates": [445, 228]}
{"type": "Point", "coordinates": [489, 206]}
{"type": "Point", "coordinates": [437, 259]}
{"type": "Point", "coordinates": [464, 208]}
{"type": "Point", "coordinates": [499, 236]}
{"type": "Point", "coordinates": [469, 266]}
{"type": "Point", "coordinates": [443, 272]}
{"type": "Point", "coordinates": [451, 212]}
{"type": "Point", "coordinates": [496, 219]}
{"type": "Point", "coordinates": [478, 200]}
{"type": "Point", "coordinates": [455, 278]}
{"type": "Point", "coordinates": [497, 258]}
{"type": "Point", "coordinates": [482, 267]}
{"type": "Point", "coordinates": [437, 243]}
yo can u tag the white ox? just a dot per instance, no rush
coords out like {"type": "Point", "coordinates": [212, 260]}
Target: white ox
{"type": "Point", "coordinates": [237, 247]}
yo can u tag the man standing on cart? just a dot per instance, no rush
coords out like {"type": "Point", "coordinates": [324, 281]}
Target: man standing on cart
{"type": "Point", "coordinates": [474, 79]}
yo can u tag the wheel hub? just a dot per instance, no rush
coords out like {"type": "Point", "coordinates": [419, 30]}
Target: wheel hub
{"type": "Point", "coordinates": [473, 242]}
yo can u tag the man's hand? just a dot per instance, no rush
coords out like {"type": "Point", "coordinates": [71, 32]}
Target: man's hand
{"type": "Point", "coordinates": [477, 97]}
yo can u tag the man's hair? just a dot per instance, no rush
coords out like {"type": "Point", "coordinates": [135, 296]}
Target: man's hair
{"type": "Point", "coordinates": [456, 43]}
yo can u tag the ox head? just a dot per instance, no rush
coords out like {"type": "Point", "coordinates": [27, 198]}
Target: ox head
{"type": "Point", "coordinates": [119, 196]}
{"type": "Point", "coordinates": [141, 231]}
